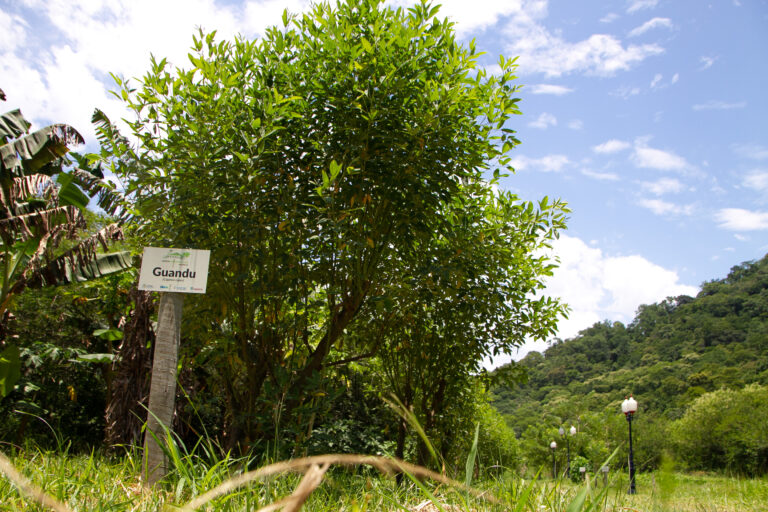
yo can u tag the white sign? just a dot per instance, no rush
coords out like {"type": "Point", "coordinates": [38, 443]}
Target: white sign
{"type": "Point", "coordinates": [174, 270]}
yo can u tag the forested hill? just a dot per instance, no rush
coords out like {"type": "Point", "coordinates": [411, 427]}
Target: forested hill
{"type": "Point", "coordinates": [671, 353]}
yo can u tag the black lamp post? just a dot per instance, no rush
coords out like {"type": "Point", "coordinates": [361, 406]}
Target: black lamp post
{"type": "Point", "coordinates": [553, 446]}
{"type": "Point", "coordinates": [571, 432]}
{"type": "Point", "coordinates": [629, 408]}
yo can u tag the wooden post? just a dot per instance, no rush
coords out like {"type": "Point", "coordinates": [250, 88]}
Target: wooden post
{"type": "Point", "coordinates": [162, 390]}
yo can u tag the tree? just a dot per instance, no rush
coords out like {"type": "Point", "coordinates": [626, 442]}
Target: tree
{"type": "Point", "coordinates": [467, 297]}
{"type": "Point", "coordinates": [311, 163]}
{"type": "Point", "coordinates": [42, 204]}
{"type": "Point", "coordinates": [725, 429]}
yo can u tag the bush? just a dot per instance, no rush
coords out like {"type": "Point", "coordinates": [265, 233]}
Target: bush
{"type": "Point", "coordinates": [579, 462]}
{"type": "Point", "coordinates": [497, 445]}
{"type": "Point", "coordinates": [725, 430]}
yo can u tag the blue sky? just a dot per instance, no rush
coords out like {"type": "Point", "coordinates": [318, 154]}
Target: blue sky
{"type": "Point", "coordinates": [649, 117]}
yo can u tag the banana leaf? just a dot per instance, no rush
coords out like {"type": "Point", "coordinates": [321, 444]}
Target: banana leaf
{"type": "Point", "coordinates": [65, 270]}
{"type": "Point", "coordinates": [40, 151]}
{"type": "Point", "coordinates": [69, 193]}
{"type": "Point", "coordinates": [106, 195]}
{"type": "Point", "coordinates": [12, 125]}
{"type": "Point", "coordinates": [10, 369]}
{"type": "Point", "coordinates": [39, 222]}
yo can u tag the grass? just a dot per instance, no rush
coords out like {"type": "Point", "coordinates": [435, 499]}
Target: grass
{"type": "Point", "coordinates": [98, 483]}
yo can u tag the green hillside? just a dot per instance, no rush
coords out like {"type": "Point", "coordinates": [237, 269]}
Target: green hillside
{"type": "Point", "coordinates": [671, 354]}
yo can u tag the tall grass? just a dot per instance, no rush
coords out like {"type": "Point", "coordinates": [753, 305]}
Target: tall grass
{"type": "Point", "coordinates": [99, 482]}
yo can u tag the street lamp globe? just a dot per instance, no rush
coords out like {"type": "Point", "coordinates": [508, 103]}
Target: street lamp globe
{"type": "Point", "coordinates": [573, 430]}
{"type": "Point", "coordinates": [561, 431]}
{"type": "Point", "coordinates": [629, 405]}
{"type": "Point", "coordinates": [553, 445]}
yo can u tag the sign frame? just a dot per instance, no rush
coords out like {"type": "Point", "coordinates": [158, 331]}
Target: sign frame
{"type": "Point", "coordinates": [172, 270]}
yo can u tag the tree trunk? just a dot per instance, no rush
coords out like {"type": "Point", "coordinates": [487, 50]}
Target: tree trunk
{"type": "Point", "coordinates": [126, 408]}
{"type": "Point", "coordinates": [400, 448]}
{"type": "Point", "coordinates": [162, 391]}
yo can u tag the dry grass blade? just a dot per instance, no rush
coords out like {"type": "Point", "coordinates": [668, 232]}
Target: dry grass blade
{"type": "Point", "coordinates": [384, 464]}
{"type": "Point", "coordinates": [28, 489]}
{"type": "Point", "coordinates": [309, 483]}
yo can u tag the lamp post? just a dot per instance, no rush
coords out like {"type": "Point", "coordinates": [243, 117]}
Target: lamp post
{"type": "Point", "coordinates": [629, 408]}
{"type": "Point", "coordinates": [553, 446]}
{"type": "Point", "coordinates": [571, 432]}
{"type": "Point", "coordinates": [561, 431]}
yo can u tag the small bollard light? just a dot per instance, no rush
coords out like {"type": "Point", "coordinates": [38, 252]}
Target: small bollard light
{"type": "Point", "coordinates": [604, 470]}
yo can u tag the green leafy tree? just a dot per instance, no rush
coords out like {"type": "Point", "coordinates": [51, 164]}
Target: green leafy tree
{"type": "Point", "coordinates": [467, 297]}
{"type": "Point", "coordinates": [725, 430]}
{"type": "Point", "coordinates": [311, 163]}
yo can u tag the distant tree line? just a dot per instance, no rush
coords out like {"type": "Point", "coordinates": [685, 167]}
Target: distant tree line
{"type": "Point", "coordinates": [697, 365]}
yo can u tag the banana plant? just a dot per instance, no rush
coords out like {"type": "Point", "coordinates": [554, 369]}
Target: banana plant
{"type": "Point", "coordinates": [44, 194]}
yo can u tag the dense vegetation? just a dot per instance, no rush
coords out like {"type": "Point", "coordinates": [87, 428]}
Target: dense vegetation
{"type": "Point", "coordinates": [698, 367]}
{"type": "Point", "coordinates": [342, 172]}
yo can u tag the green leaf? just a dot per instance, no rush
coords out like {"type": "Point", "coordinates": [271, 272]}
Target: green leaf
{"type": "Point", "coordinates": [69, 268]}
{"type": "Point", "coordinates": [38, 152]}
{"type": "Point", "coordinates": [109, 334]}
{"type": "Point", "coordinates": [12, 125]}
{"type": "Point", "coordinates": [470, 466]}
{"type": "Point", "coordinates": [522, 500]}
{"type": "Point", "coordinates": [96, 358]}
{"type": "Point", "coordinates": [70, 194]}
{"type": "Point", "coordinates": [10, 369]}
{"type": "Point", "coordinates": [335, 170]}
{"type": "Point", "coordinates": [578, 502]}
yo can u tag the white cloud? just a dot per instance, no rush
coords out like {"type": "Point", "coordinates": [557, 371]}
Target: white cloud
{"type": "Point", "coordinates": [541, 51]}
{"type": "Point", "coordinates": [719, 105]}
{"type": "Point", "coordinates": [602, 176]}
{"type": "Point", "coordinates": [64, 83]}
{"type": "Point", "coordinates": [659, 207]}
{"type": "Point", "coordinates": [557, 90]}
{"type": "Point", "coordinates": [13, 32]}
{"type": "Point", "coordinates": [757, 180]}
{"type": "Point", "coordinates": [611, 146]}
{"type": "Point", "coordinates": [663, 186]}
{"type": "Point", "coordinates": [637, 5]}
{"type": "Point", "coordinates": [261, 14]}
{"type": "Point", "coordinates": [599, 287]}
{"type": "Point", "coordinates": [576, 124]}
{"type": "Point", "coordinates": [609, 18]}
{"type": "Point", "coordinates": [651, 158]}
{"type": "Point", "coordinates": [706, 62]}
{"type": "Point", "coordinates": [658, 83]}
{"type": "Point", "coordinates": [650, 25]}
{"type": "Point", "coordinates": [751, 151]}
{"type": "Point", "coordinates": [544, 121]}
{"type": "Point", "coordinates": [479, 14]}
{"type": "Point", "coordinates": [549, 163]}
{"type": "Point", "coordinates": [738, 219]}
{"type": "Point", "coordinates": [626, 92]}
